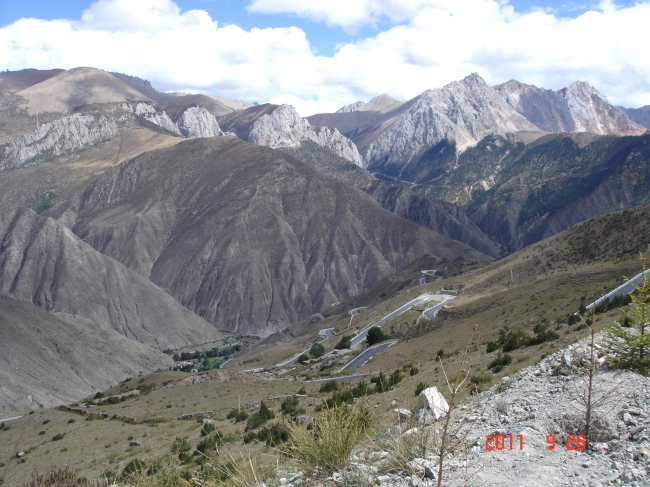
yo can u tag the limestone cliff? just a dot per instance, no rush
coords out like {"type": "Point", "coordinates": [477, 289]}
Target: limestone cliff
{"type": "Point", "coordinates": [578, 108]}
{"type": "Point", "coordinates": [283, 127]}
{"type": "Point", "coordinates": [81, 130]}
{"type": "Point", "coordinates": [150, 114]}
{"type": "Point", "coordinates": [463, 111]}
{"type": "Point", "coordinates": [58, 137]}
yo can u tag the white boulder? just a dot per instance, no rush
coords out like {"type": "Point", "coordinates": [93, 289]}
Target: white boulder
{"type": "Point", "coordinates": [431, 400]}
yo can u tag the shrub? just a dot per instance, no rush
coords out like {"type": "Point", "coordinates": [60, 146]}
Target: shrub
{"type": "Point", "coordinates": [515, 340]}
{"type": "Point", "coordinates": [207, 428]}
{"type": "Point", "coordinates": [613, 303]}
{"type": "Point", "coordinates": [344, 342]}
{"type": "Point", "coordinates": [303, 358]}
{"type": "Point", "coordinates": [329, 386]}
{"type": "Point", "coordinates": [440, 354]}
{"type": "Point", "coordinates": [500, 362]}
{"type": "Point", "coordinates": [375, 335]}
{"type": "Point", "coordinates": [71, 420]}
{"type": "Point", "coordinates": [331, 440]}
{"type": "Point", "coordinates": [134, 467]}
{"type": "Point", "coordinates": [238, 415]}
{"type": "Point", "coordinates": [396, 377]}
{"type": "Point", "coordinates": [209, 443]}
{"type": "Point", "coordinates": [250, 437]}
{"type": "Point", "coordinates": [181, 448]}
{"type": "Point", "coordinates": [58, 436]}
{"type": "Point", "coordinates": [361, 389]}
{"type": "Point", "coordinates": [420, 387]}
{"type": "Point", "coordinates": [317, 350]}
{"type": "Point", "coordinates": [414, 371]}
{"type": "Point", "coordinates": [491, 347]}
{"type": "Point", "coordinates": [302, 391]}
{"type": "Point", "coordinates": [503, 386]}
{"type": "Point", "coordinates": [110, 400]}
{"type": "Point", "coordinates": [345, 396]}
{"type": "Point", "coordinates": [260, 417]}
{"type": "Point", "coordinates": [382, 383]}
{"type": "Point", "coordinates": [274, 435]}
{"type": "Point", "coordinates": [542, 334]}
{"type": "Point", "coordinates": [289, 407]}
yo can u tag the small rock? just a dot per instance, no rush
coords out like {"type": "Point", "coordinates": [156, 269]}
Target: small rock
{"type": "Point", "coordinates": [135, 443]}
{"type": "Point", "coordinates": [403, 413]}
{"type": "Point", "coordinates": [383, 479]}
{"type": "Point", "coordinates": [643, 454]}
{"type": "Point", "coordinates": [600, 447]}
{"type": "Point", "coordinates": [20, 454]}
{"type": "Point", "coordinates": [337, 478]}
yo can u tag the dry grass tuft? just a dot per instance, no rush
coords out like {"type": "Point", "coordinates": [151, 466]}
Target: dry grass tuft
{"type": "Point", "coordinates": [327, 445]}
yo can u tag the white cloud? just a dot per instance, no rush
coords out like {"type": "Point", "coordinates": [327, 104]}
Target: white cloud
{"type": "Point", "coordinates": [440, 41]}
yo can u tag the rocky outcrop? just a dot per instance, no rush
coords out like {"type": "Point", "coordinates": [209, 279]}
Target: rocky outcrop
{"type": "Point", "coordinates": [545, 108]}
{"type": "Point", "coordinates": [352, 107]}
{"type": "Point", "coordinates": [578, 108]}
{"type": "Point", "coordinates": [193, 122]}
{"type": "Point", "coordinates": [150, 114]}
{"type": "Point", "coordinates": [72, 133]}
{"type": "Point", "coordinates": [592, 113]}
{"type": "Point", "coordinates": [431, 401]}
{"type": "Point", "coordinates": [44, 263]}
{"type": "Point", "coordinates": [283, 127]}
{"type": "Point", "coordinates": [59, 137]}
{"type": "Point", "coordinates": [383, 103]}
{"type": "Point", "coordinates": [463, 111]}
{"type": "Point", "coordinates": [198, 122]}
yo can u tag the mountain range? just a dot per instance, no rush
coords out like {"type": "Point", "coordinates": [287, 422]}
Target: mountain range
{"type": "Point", "coordinates": [169, 218]}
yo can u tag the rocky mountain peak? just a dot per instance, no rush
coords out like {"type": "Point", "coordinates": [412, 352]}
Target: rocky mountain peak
{"type": "Point", "coordinates": [464, 111]}
{"type": "Point", "coordinates": [593, 113]}
{"type": "Point", "coordinates": [577, 108]}
{"type": "Point", "coordinates": [352, 107]}
{"type": "Point", "coordinates": [284, 127]}
{"type": "Point", "coordinates": [382, 104]}
{"type": "Point", "coordinates": [198, 122]}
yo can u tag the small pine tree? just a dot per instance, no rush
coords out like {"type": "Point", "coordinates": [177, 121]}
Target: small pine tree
{"type": "Point", "coordinates": [630, 345]}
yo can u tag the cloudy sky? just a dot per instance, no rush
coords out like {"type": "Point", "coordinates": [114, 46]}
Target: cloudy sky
{"type": "Point", "coordinates": [321, 54]}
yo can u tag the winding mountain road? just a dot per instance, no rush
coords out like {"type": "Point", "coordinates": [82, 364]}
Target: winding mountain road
{"type": "Point", "coordinates": [405, 307]}
{"type": "Point", "coordinates": [432, 312]}
{"type": "Point", "coordinates": [362, 358]}
{"type": "Point", "coordinates": [625, 288]}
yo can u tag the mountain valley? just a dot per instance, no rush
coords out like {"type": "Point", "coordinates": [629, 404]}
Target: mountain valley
{"type": "Point", "coordinates": [140, 230]}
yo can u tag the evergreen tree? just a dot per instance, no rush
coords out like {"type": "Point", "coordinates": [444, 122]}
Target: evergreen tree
{"type": "Point", "coordinates": [630, 345]}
